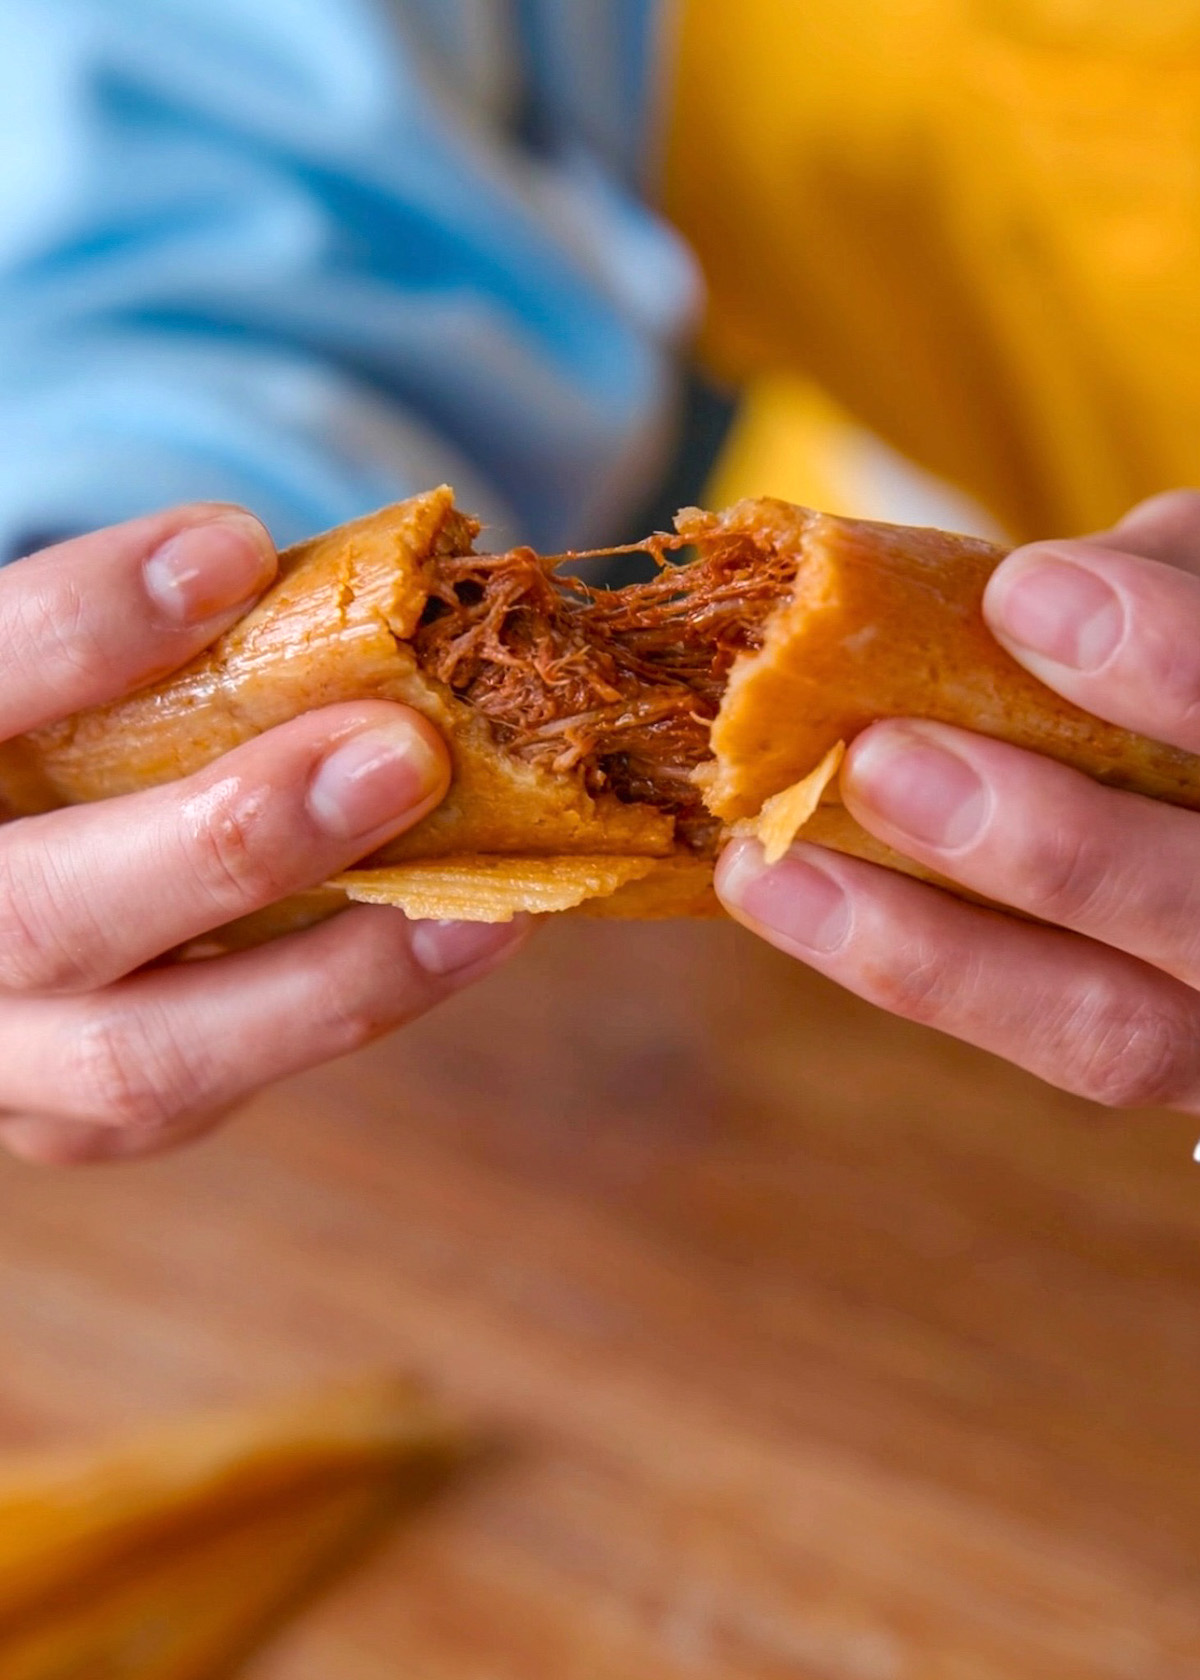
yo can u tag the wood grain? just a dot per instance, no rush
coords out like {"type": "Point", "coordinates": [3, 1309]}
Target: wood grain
{"type": "Point", "coordinates": [809, 1344]}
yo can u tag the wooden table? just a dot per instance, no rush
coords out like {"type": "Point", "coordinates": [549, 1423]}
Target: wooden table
{"type": "Point", "coordinates": [809, 1344]}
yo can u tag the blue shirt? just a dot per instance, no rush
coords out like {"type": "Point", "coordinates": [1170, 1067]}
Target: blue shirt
{"type": "Point", "coordinates": [314, 255]}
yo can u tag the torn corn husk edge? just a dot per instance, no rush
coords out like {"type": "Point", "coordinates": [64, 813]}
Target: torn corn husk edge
{"type": "Point", "coordinates": [486, 888]}
{"type": "Point", "coordinates": [785, 814]}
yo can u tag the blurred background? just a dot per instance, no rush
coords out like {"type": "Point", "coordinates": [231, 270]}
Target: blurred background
{"type": "Point", "coordinates": [804, 1343]}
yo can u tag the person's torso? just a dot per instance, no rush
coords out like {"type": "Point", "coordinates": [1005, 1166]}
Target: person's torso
{"type": "Point", "coordinates": [975, 223]}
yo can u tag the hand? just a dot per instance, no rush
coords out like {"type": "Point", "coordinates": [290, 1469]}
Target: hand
{"type": "Point", "coordinates": [1106, 1003]}
{"type": "Point", "coordinates": [100, 1056]}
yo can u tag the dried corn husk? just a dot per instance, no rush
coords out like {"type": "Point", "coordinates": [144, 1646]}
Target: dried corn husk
{"type": "Point", "coordinates": [171, 1558]}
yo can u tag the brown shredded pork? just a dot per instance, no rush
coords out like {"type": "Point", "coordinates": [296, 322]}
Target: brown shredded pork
{"type": "Point", "coordinates": [623, 683]}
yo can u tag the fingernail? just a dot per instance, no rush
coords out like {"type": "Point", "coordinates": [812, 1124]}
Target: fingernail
{"type": "Point", "coordinates": [375, 778]}
{"type": "Point", "coordinates": [795, 901]}
{"type": "Point", "coordinates": [918, 787]}
{"type": "Point", "coordinates": [1058, 610]}
{"type": "Point", "coordinates": [448, 947]}
{"type": "Point", "coordinates": [210, 569]}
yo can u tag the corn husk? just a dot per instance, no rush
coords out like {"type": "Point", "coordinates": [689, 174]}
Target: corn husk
{"type": "Point", "coordinates": [493, 889]}
{"type": "Point", "coordinates": [173, 1557]}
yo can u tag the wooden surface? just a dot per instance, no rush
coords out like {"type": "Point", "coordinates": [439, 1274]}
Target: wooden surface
{"type": "Point", "coordinates": [808, 1344]}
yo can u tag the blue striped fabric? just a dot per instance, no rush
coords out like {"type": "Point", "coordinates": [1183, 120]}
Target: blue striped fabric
{"type": "Point", "coordinates": [591, 73]}
{"type": "Point", "coordinates": [315, 254]}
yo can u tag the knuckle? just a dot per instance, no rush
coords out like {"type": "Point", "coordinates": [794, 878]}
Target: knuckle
{"type": "Point", "coordinates": [362, 984]}
{"type": "Point", "coordinates": [351, 1021]}
{"type": "Point", "coordinates": [124, 1073]}
{"type": "Point", "coordinates": [351, 1029]}
{"type": "Point", "coordinates": [1177, 680]}
{"type": "Point", "coordinates": [1130, 1055]}
{"type": "Point", "coordinates": [52, 632]}
{"type": "Point", "coordinates": [916, 989]}
{"type": "Point", "coordinates": [229, 844]}
{"type": "Point", "coordinates": [34, 957]}
{"type": "Point", "coordinates": [1063, 872]}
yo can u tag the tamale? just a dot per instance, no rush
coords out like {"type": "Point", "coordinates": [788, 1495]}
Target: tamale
{"type": "Point", "coordinates": [605, 743]}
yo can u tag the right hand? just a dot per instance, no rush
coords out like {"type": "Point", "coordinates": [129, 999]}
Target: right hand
{"type": "Point", "coordinates": [1097, 987]}
{"type": "Point", "coordinates": [102, 1057]}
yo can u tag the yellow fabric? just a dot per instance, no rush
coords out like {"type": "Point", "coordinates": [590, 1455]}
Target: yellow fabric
{"type": "Point", "coordinates": [790, 439]}
{"type": "Point", "coordinates": [974, 224]}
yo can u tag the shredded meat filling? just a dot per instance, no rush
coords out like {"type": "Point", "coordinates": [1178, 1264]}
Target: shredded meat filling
{"type": "Point", "coordinates": [622, 684]}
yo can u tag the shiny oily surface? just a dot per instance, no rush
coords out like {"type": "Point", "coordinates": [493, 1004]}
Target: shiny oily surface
{"type": "Point", "coordinates": [807, 1344]}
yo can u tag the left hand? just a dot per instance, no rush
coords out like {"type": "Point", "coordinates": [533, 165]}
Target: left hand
{"type": "Point", "coordinates": [105, 1052]}
{"type": "Point", "coordinates": [1106, 1001]}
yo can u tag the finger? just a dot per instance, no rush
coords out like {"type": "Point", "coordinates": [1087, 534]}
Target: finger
{"type": "Point", "coordinates": [1117, 634]}
{"type": "Point", "coordinates": [1164, 527]}
{"type": "Point", "coordinates": [89, 893]}
{"type": "Point", "coordinates": [47, 1142]}
{"type": "Point", "coordinates": [1085, 1018]}
{"type": "Point", "coordinates": [92, 618]}
{"type": "Point", "coordinates": [156, 1055]}
{"type": "Point", "coordinates": [1035, 835]}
